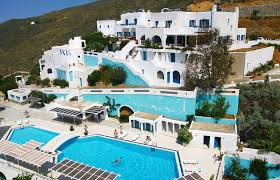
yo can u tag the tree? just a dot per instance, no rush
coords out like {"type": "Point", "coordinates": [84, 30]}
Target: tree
{"type": "Point", "coordinates": [235, 171]}
{"type": "Point", "coordinates": [23, 177]}
{"type": "Point", "coordinates": [111, 103]}
{"type": "Point", "coordinates": [219, 108]}
{"type": "Point", "coordinates": [184, 135]}
{"type": "Point", "coordinates": [259, 169]}
{"type": "Point", "coordinates": [93, 78]}
{"type": "Point", "coordinates": [211, 65]}
{"type": "Point", "coordinates": [45, 82]}
{"type": "Point", "coordinates": [61, 82]}
{"type": "Point", "coordinates": [43, 96]}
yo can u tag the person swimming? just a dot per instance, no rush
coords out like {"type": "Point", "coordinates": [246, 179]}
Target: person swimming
{"type": "Point", "coordinates": [117, 160]}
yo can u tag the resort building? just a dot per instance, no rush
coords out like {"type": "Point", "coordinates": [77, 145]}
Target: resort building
{"type": "Point", "coordinates": [18, 95]}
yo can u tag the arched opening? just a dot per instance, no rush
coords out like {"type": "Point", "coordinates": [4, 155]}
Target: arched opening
{"type": "Point", "coordinates": [126, 110]}
{"type": "Point", "coordinates": [160, 75]}
{"type": "Point", "coordinates": [170, 40]}
{"type": "Point", "coordinates": [2, 176]}
{"type": "Point", "coordinates": [143, 38]}
{"type": "Point", "coordinates": [156, 40]}
{"type": "Point", "coordinates": [49, 71]}
{"type": "Point", "coordinates": [176, 77]}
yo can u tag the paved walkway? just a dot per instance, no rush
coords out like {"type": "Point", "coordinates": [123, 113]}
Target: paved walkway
{"type": "Point", "coordinates": [43, 119]}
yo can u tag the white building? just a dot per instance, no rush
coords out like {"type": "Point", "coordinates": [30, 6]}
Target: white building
{"type": "Point", "coordinates": [174, 33]}
{"type": "Point", "coordinates": [66, 62]}
{"type": "Point", "coordinates": [18, 95]}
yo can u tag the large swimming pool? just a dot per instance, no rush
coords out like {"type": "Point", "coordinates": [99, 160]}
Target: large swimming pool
{"type": "Point", "coordinates": [169, 106]}
{"type": "Point", "coordinates": [272, 173]}
{"type": "Point", "coordinates": [23, 135]}
{"type": "Point", "coordinates": [138, 162]}
{"type": "Point", "coordinates": [132, 79]}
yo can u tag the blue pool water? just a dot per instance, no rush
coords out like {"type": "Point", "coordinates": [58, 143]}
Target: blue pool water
{"type": "Point", "coordinates": [91, 60]}
{"type": "Point", "coordinates": [233, 101]}
{"type": "Point", "coordinates": [169, 106]}
{"type": "Point", "coordinates": [132, 79]}
{"type": "Point", "coordinates": [23, 135]}
{"type": "Point", "coordinates": [138, 162]}
{"type": "Point", "coordinates": [273, 173]}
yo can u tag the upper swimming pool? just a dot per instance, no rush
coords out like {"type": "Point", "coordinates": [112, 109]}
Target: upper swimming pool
{"type": "Point", "coordinates": [23, 135]}
{"type": "Point", "coordinates": [138, 162]}
{"type": "Point", "coordinates": [91, 60]}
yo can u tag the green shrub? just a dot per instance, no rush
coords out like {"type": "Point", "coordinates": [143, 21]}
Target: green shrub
{"type": "Point", "coordinates": [184, 136]}
{"type": "Point", "coordinates": [23, 177]}
{"type": "Point", "coordinates": [124, 118]}
{"type": "Point", "coordinates": [93, 78]}
{"type": "Point", "coordinates": [60, 82]}
{"type": "Point", "coordinates": [45, 82]}
{"type": "Point", "coordinates": [72, 128]}
{"type": "Point", "coordinates": [38, 81]}
{"type": "Point", "coordinates": [189, 119]}
{"type": "Point", "coordinates": [43, 96]}
{"type": "Point", "coordinates": [27, 82]}
{"type": "Point", "coordinates": [118, 76]}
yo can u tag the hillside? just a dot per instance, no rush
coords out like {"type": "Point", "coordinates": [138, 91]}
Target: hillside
{"type": "Point", "coordinates": [22, 44]}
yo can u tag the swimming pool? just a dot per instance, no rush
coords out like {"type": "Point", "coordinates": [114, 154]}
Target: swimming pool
{"type": "Point", "coordinates": [23, 135]}
{"type": "Point", "coordinates": [132, 79]}
{"type": "Point", "coordinates": [138, 162]}
{"type": "Point", "coordinates": [91, 60]}
{"type": "Point", "coordinates": [169, 106]}
{"type": "Point", "coordinates": [58, 95]}
{"type": "Point", "coordinates": [272, 173]}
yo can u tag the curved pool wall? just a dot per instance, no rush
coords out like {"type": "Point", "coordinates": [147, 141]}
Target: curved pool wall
{"type": "Point", "coordinates": [272, 173]}
{"type": "Point", "coordinates": [213, 120]}
{"type": "Point", "coordinates": [132, 79]}
{"type": "Point", "coordinates": [23, 135]}
{"type": "Point", "coordinates": [138, 161]}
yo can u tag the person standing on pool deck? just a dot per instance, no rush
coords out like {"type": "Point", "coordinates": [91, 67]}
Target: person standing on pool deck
{"type": "Point", "coordinates": [116, 133]}
{"type": "Point", "coordinates": [121, 130]}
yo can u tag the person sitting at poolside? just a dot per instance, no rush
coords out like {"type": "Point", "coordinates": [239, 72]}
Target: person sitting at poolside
{"type": "Point", "coordinates": [148, 139]}
{"type": "Point", "coordinates": [116, 133]}
{"type": "Point", "coordinates": [117, 160]}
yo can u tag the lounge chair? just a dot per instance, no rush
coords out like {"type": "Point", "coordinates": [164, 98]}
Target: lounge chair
{"type": "Point", "coordinates": [193, 162]}
{"type": "Point", "coordinates": [19, 122]}
{"type": "Point", "coordinates": [135, 137]}
{"type": "Point", "coordinates": [123, 135]}
{"type": "Point", "coordinates": [193, 170]}
{"type": "Point", "coordinates": [26, 121]}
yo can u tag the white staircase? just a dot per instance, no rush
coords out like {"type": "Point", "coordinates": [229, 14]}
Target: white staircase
{"type": "Point", "coordinates": [124, 52]}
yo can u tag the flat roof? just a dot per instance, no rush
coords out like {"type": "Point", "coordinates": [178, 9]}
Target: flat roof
{"type": "Point", "coordinates": [65, 111]}
{"type": "Point", "coordinates": [213, 127]}
{"type": "Point", "coordinates": [75, 104]}
{"type": "Point", "coordinates": [146, 115]}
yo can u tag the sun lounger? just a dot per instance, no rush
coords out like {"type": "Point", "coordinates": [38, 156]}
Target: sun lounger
{"type": "Point", "coordinates": [123, 135]}
{"type": "Point", "coordinates": [190, 162]}
{"type": "Point", "coordinates": [26, 121]}
{"type": "Point", "coordinates": [135, 137]}
{"type": "Point", "coordinates": [193, 170]}
{"type": "Point", "coordinates": [19, 122]}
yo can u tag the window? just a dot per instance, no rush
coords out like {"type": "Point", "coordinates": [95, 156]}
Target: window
{"type": "Point", "coordinates": [79, 56]}
{"type": "Point", "coordinates": [119, 34]}
{"type": "Point", "coordinates": [238, 37]}
{"type": "Point", "coordinates": [83, 44]}
{"type": "Point", "coordinates": [143, 71]}
{"type": "Point", "coordinates": [144, 55]}
{"type": "Point", "coordinates": [100, 26]}
{"type": "Point", "coordinates": [168, 24]}
{"type": "Point", "coordinates": [49, 71]}
{"type": "Point", "coordinates": [156, 24]}
{"type": "Point", "coordinates": [192, 23]}
{"type": "Point", "coordinates": [126, 22]}
{"type": "Point", "coordinates": [243, 37]}
{"type": "Point", "coordinates": [135, 21]}
{"type": "Point", "coordinates": [204, 23]}
{"type": "Point", "coordinates": [160, 75]}
{"type": "Point", "coordinates": [42, 67]}
{"type": "Point", "coordinates": [24, 97]}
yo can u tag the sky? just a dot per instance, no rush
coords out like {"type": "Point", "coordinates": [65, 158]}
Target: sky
{"type": "Point", "coordinates": [18, 9]}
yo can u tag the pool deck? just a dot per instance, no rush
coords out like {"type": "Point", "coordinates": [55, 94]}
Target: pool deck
{"type": "Point", "coordinates": [43, 119]}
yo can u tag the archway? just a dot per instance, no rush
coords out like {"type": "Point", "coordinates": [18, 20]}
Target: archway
{"type": "Point", "coordinates": [170, 40]}
{"type": "Point", "coordinates": [2, 176]}
{"type": "Point", "coordinates": [49, 71]}
{"type": "Point", "coordinates": [126, 110]}
{"type": "Point", "coordinates": [176, 77]}
{"type": "Point", "coordinates": [143, 38]}
{"type": "Point", "coordinates": [156, 40]}
{"type": "Point", "coordinates": [160, 75]}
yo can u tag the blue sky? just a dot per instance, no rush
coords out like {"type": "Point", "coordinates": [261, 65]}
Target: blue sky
{"type": "Point", "coordinates": [17, 9]}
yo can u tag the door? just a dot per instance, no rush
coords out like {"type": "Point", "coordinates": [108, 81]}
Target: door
{"type": "Point", "coordinates": [168, 77]}
{"type": "Point", "coordinates": [217, 142]}
{"type": "Point", "coordinates": [81, 82]}
{"type": "Point", "coordinates": [206, 141]}
{"type": "Point", "coordinates": [144, 55]}
{"type": "Point", "coordinates": [172, 57]}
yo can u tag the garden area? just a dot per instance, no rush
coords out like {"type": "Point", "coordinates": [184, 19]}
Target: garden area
{"type": "Point", "coordinates": [108, 75]}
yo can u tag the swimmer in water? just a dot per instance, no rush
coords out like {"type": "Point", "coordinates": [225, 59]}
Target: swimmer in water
{"type": "Point", "coordinates": [117, 160]}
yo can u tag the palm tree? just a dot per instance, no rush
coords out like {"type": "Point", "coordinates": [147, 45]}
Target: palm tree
{"type": "Point", "coordinates": [111, 103]}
